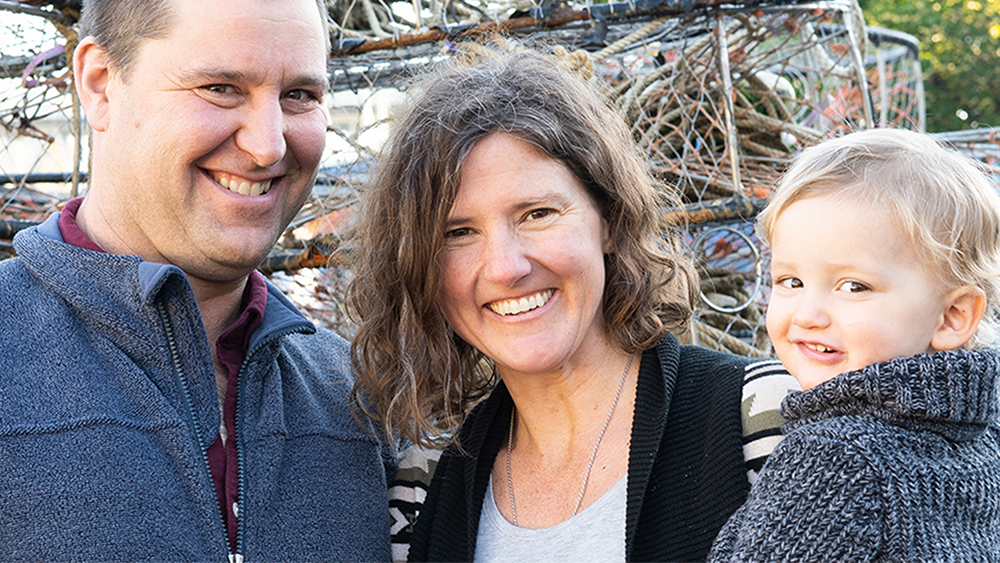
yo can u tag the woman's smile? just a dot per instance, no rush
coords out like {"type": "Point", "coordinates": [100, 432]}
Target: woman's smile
{"type": "Point", "coordinates": [511, 307]}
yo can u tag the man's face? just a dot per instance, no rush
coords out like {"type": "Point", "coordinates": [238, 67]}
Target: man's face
{"type": "Point", "coordinates": [214, 137]}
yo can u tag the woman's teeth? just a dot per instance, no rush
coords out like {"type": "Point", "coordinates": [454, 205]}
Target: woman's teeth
{"type": "Point", "coordinates": [522, 305]}
{"type": "Point", "coordinates": [241, 186]}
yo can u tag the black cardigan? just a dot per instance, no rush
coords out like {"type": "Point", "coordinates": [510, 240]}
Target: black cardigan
{"type": "Point", "coordinates": [686, 470]}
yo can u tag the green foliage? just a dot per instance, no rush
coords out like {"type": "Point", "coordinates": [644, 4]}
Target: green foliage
{"type": "Point", "coordinates": [959, 52]}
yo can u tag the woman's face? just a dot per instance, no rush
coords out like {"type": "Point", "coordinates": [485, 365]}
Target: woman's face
{"type": "Point", "coordinates": [522, 269]}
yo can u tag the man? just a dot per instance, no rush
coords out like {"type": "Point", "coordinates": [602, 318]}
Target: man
{"type": "Point", "coordinates": [159, 400]}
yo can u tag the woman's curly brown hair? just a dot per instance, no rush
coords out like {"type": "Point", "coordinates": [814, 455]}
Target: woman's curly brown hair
{"type": "Point", "coordinates": [414, 375]}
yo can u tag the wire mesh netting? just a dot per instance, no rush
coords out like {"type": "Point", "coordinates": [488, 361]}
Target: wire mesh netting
{"type": "Point", "coordinates": [718, 96]}
{"type": "Point", "coordinates": [37, 137]}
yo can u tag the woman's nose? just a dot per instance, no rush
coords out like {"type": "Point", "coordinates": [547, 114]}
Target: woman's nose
{"type": "Point", "coordinates": [506, 260]}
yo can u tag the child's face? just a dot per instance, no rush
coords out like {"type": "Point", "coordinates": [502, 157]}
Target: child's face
{"type": "Point", "coordinates": [848, 290]}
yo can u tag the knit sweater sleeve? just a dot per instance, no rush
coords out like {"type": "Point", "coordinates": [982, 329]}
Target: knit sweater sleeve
{"type": "Point", "coordinates": [818, 498]}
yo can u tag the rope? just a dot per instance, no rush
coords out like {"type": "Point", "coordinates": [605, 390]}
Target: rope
{"type": "Point", "coordinates": [619, 46]}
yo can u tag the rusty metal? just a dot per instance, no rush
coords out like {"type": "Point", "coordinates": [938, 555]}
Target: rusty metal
{"type": "Point", "coordinates": [718, 210]}
{"type": "Point", "coordinates": [321, 252]}
{"type": "Point", "coordinates": [349, 47]}
{"type": "Point", "coordinates": [554, 15]}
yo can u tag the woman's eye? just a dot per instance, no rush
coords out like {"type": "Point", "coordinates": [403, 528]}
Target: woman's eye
{"type": "Point", "coordinates": [457, 233]}
{"type": "Point", "coordinates": [540, 213]}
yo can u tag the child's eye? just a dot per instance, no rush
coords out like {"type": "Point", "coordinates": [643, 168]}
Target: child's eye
{"type": "Point", "coordinates": [789, 283]}
{"type": "Point", "coordinates": [852, 286]}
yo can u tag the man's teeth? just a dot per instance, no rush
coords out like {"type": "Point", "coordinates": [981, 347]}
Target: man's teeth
{"type": "Point", "coordinates": [819, 348]}
{"type": "Point", "coordinates": [244, 187]}
{"type": "Point", "coordinates": [522, 305]}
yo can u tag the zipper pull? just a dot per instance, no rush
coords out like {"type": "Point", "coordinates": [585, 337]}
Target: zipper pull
{"type": "Point", "coordinates": [235, 558]}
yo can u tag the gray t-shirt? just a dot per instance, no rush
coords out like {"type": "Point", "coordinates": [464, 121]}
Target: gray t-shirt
{"type": "Point", "coordinates": [596, 533]}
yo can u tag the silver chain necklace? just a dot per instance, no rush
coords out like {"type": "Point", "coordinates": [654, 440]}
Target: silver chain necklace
{"type": "Point", "coordinates": [593, 454]}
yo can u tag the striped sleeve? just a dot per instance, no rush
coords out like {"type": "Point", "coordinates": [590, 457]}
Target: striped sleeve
{"type": "Point", "coordinates": [407, 492]}
{"type": "Point", "coordinates": [765, 385]}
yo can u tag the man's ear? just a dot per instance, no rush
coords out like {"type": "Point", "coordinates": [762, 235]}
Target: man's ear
{"type": "Point", "coordinates": [91, 74]}
{"type": "Point", "coordinates": [964, 308]}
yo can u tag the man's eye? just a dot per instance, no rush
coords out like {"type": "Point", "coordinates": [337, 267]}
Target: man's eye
{"type": "Point", "coordinates": [300, 95]}
{"type": "Point", "coordinates": [219, 88]}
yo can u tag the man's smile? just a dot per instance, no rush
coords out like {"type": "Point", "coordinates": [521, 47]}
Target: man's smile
{"type": "Point", "coordinates": [240, 185]}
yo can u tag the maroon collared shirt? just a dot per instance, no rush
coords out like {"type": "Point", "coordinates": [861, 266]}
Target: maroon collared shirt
{"type": "Point", "coordinates": [231, 349]}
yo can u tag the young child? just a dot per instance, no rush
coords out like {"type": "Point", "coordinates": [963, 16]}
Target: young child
{"type": "Point", "coordinates": [885, 256]}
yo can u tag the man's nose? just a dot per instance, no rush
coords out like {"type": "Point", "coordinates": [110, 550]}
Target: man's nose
{"type": "Point", "coordinates": [262, 133]}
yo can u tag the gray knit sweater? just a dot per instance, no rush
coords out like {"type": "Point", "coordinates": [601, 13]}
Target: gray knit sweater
{"type": "Point", "coordinates": [899, 461]}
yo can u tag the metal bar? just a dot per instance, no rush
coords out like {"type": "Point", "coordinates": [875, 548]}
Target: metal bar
{"type": "Point", "coordinates": [716, 210]}
{"type": "Point", "coordinates": [859, 66]}
{"type": "Point", "coordinates": [74, 189]}
{"type": "Point", "coordinates": [347, 47]}
{"type": "Point", "coordinates": [883, 87]}
{"type": "Point", "coordinates": [732, 141]}
{"type": "Point", "coordinates": [10, 228]}
{"type": "Point", "coordinates": [40, 178]}
{"type": "Point", "coordinates": [921, 103]}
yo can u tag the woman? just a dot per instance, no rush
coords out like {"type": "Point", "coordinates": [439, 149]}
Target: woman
{"type": "Point", "coordinates": [509, 246]}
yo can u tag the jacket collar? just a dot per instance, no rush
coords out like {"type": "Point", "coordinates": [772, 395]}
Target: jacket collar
{"type": "Point", "coordinates": [117, 279]}
{"type": "Point", "coordinates": [953, 393]}
{"type": "Point", "coordinates": [654, 390]}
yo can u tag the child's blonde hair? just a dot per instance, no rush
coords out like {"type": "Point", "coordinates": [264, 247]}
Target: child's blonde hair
{"type": "Point", "coordinates": [937, 197]}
